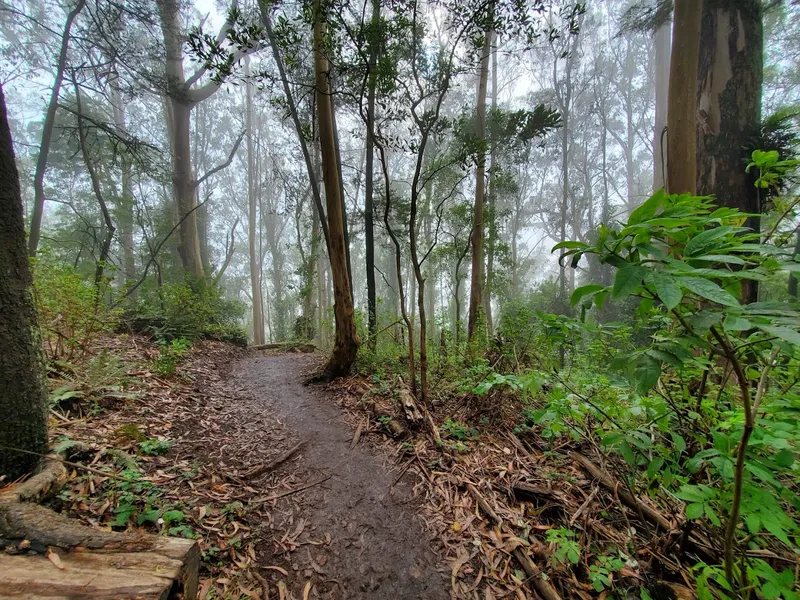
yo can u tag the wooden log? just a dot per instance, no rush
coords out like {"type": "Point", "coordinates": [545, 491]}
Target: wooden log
{"type": "Point", "coordinates": [167, 571]}
{"type": "Point", "coordinates": [286, 346]}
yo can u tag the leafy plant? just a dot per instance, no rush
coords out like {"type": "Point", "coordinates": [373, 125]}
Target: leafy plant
{"type": "Point", "coordinates": [155, 447]}
{"type": "Point", "coordinates": [566, 549]}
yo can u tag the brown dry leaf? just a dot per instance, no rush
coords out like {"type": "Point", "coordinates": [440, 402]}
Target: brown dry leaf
{"type": "Point", "coordinates": [307, 590]}
{"type": "Point", "coordinates": [55, 559]}
{"type": "Point", "coordinates": [280, 570]}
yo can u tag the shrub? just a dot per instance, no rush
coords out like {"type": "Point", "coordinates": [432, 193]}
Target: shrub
{"type": "Point", "coordinates": [192, 310]}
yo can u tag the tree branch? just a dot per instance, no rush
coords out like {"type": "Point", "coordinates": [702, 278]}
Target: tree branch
{"type": "Point", "coordinates": [224, 165]}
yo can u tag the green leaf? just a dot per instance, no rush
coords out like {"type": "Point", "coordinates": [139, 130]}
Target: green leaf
{"type": "Point", "coordinates": [648, 208]}
{"type": "Point", "coordinates": [569, 245]}
{"type": "Point", "coordinates": [706, 240]}
{"type": "Point", "coordinates": [784, 333]}
{"type": "Point", "coordinates": [680, 443]}
{"type": "Point", "coordinates": [584, 290]}
{"type": "Point", "coordinates": [708, 290]}
{"type": "Point", "coordinates": [627, 453]}
{"type": "Point", "coordinates": [648, 370]}
{"type": "Point", "coordinates": [668, 290]}
{"type": "Point", "coordinates": [774, 527]}
{"type": "Point", "coordinates": [694, 510]}
{"type": "Point", "coordinates": [627, 279]}
{"type": "Point", "coordinates": [705, 319]}
{"type": "Point", "coordinates": [784, 458]}
{"type": "Point", "coordinates": [734, 323]}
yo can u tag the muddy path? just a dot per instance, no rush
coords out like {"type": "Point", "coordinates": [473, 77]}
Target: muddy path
{"type": "Point", "coordinates": [375, 546]}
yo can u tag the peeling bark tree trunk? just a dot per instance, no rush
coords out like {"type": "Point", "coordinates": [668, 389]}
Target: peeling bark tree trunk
{"type": "Point", "coordinates": [729, 77]}
{"type": "Point", "coordinates": [346, 339]}
{"type": "Point", "coordinates": [47, 133]}
{"type": "Point", "coordinates": [23, 396]}
{"type": "Point", "coordinates": [476, 281]}
{"type": "Point", "coordinates": [682, 101]}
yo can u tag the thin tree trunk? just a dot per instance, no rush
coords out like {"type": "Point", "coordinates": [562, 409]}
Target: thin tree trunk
{"type": "Point", "coordinates": [491, 202]}
{"type": "Point", "coordinates": [23, 391]}
{"type": "Point", "coordinates": [346, 339]}
{"type": "Point", "coordinates": [252, 216]}
{"type": "Point", "coordinates": [477, 282]}
{"type": "Point", "coordinates": [682, 101]}
{"type": "Point", "coordinates": [47, 133]}
{"type": "Point", "coordinates": [125, 202]}
{"type": "Point", "coordinates": [109, 228]}
{"type": "Point", "coordinates": [369, 232]}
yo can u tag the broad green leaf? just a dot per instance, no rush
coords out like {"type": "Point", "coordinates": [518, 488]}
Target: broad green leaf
{"type": "Point", "coordinates": [722, 258]}
{"type": "Point", "coordinates": [648, 370]}
{"type": "Point", "coordinates": [569, 245]}
{"type": "Point", "coordinates": [705, 319]}
{"type": "Point", "coordinates": [784, 333]}
{"type": "Point", "coordinates": [706, 240]}
{"type": "Point", "coordinates": [626, 280]}
{"type": "Point", "coordinates": [648, 208]}
{"type": "Point", "coordinates": [627, 453]}
{"type": "Point", "coordinates": [734, 323]}
{"type": "Point", "coordinates": [784, 458]}
{"type": "Point", "coordinates": [680, 443]}
{"type": "Point", "coordinates": [584, 290]}
{"type": "Point", "coordinates": [708, 290]}
{"type": "Point", "coordinates": [694, 510]}
{"type": "Point", "coordinates": [668, 290]}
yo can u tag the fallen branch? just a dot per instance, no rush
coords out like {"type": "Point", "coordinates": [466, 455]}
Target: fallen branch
{"type": "Point", "coordinates": [258, 471]}
{"type": "Point", "coordinates": [291, 491]}
{"type": "Point", "coordinates": [608, 482]}
{"type": "Point", "coordinates": [287, 346]}
{"type": "Point", "coordinates": [542, 585]}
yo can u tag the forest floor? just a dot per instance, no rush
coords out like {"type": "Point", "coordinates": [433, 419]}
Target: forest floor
{"type": "Point", "coordinates": [297, 492]}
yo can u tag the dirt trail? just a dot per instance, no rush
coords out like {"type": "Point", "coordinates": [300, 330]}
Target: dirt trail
{"type": "Point", "coordinates": [378, 549]}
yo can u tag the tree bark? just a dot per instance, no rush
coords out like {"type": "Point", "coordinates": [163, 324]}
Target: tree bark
{"type": "Point", "coordinates": [491, 202]}
{"type": "Point", "coordinates": [682, 101]}
{"type": "Point", "coordinates": [729, 79]}
{"type": "Point", "coordinates": [346, 338]}
{"type": "Point", "coordinates": [477, 281]}
{"type": "Point", "coordinates": [252, 215]}
{"type": "Point", "coordinates": [23, 392]}
{"type": "Point", "coordinates": [369, 185]}
{"type": "Point", "coordinates": [181, 109]}
{"type": "Point", "coordinates": [661, 41]}
{"type": "Point", "coordinates": [47, 133]}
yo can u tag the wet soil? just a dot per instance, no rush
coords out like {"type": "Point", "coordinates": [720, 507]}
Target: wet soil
{"type": "Point", "coordinates": [375, 546]}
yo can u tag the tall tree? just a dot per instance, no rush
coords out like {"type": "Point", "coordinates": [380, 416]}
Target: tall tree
{"type": "Point", "coordinates": [682, 101]}
{"type": "Point", "coordinates": [252, 213]}
{"type": "Point", "coordinates": [729, 80]}
{"type": "Point", "coordinates": [47, 131]}
{"type": "Point", "coordinates": [369, 183]}
{"type": "Point", "coordinates": [477, 282]}
{"type": "Point", "coordinates": [23, 395]}
{"type": "Point", "coordinates": [346, 340]}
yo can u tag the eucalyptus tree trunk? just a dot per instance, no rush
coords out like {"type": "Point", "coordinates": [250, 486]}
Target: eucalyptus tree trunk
{"type": "Point", "coordinates": [125, 202]}
{"type": "Point", "coordinates": [729, 78]}
{"type": "Point", "coordinates": [661, 41]}
{"type": "Point", "coordinates": [181, 105]}
{"type": "Point", "coordinates": [252, 214]}
{"type": "Point", "coordinates": [369, 184]}
{"type": "Point", "coordinates": [346, 338]}
{"type": "Point", "coordinates": [23, 391]}
{"type": "Point", "coordinates": [477, 281]}
{"type": "Point", "coordinates": [47, 132]}
{"type": "Point", "coordinates": [491, 202]}
{"type": "Point", "coordinates": [682, 101]}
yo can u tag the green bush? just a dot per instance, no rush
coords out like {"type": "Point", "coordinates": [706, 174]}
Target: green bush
{"type": "Point", "coordinates": [192, 310]}
{"type": "Point", "coordinates": [72, 312]}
